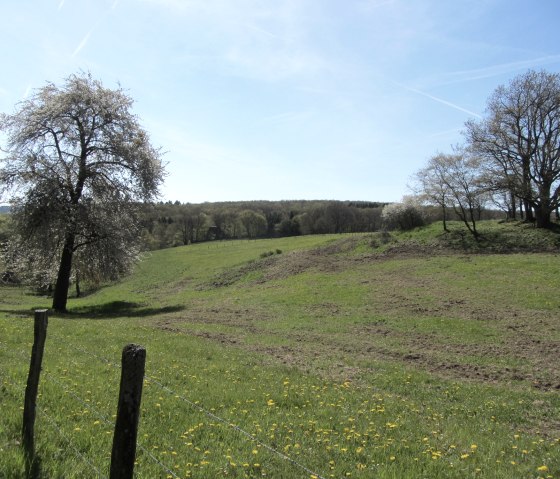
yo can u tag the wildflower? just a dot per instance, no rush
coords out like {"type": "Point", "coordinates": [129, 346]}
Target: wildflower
{"type": "Point", "coordinates": [542, 468]}
{"type": "Point", "coordinates": [464, 456]}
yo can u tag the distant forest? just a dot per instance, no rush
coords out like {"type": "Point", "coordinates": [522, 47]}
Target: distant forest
{"type": "Point", "coordinates": [169, 224]}
{"type": "Point", "coordinates": [175, 224]}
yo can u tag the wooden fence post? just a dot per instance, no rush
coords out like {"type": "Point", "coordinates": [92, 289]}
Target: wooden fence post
{"type": "Point", "coordinates": [30, 402]}
{"type": "Point", "coordinates": [128, 411]}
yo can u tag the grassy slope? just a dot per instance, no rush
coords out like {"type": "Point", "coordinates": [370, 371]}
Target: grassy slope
{"type": "Point", "coordinates": [353, 362]}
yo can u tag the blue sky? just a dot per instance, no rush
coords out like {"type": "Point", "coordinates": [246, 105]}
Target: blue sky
{"type": "Point", "coordinates": [286, 99]}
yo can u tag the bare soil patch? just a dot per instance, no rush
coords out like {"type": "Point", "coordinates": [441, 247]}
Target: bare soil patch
{"type": "Point", "coordinates": [521, 352]}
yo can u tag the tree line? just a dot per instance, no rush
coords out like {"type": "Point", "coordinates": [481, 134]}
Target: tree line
{"type": "Point", "coordinates": [174, 224]}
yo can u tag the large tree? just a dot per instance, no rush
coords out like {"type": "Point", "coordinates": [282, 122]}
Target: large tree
{"type": "Point", "coordinates": [454, 181]}
{"type": "Point", "coordinates": [520, 140]}
{"type": "Point", "coordinates": [77, 163]}
{"type": "Point", "coordinates": [431, 185]}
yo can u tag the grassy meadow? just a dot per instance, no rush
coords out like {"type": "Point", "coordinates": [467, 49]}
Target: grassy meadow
{"type": "Point", "coordinates": [421, 355]}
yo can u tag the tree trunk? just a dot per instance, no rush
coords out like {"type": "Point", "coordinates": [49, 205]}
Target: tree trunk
{"type": "Point", "coordinates": [513, 215]}
{"type": "Point", "coordinates": [542, 215]}
{"type": "Point", "coordinates": [529, 217]}
{"type": "Point", "coordinates": [60, 296]}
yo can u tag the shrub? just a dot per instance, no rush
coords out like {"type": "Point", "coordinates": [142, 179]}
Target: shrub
{"type": "Point", "coordinates": [403, 216]}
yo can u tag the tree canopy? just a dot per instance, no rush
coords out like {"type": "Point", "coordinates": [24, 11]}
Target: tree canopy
{"type": "Point", "coordinates": [76, 164]}
{"type": "Point", "coordinates": [511, 156]}
{"type": "Point", "coordinates": [519, 139]}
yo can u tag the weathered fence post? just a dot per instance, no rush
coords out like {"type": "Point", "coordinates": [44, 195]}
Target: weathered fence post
{"type": "Point", "coordinates": [128, 411]}
{"type": "Point", "coordinates": [30, 401]}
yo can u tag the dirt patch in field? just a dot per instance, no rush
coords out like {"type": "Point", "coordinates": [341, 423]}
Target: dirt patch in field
{"type": "Point", "coordinates": [521, 352]}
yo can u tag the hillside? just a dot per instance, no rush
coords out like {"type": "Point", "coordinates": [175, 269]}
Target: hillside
{"type": "Point", "coordinates": [377, 355]}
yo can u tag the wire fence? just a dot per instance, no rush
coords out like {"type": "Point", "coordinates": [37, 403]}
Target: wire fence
{"type": "Point", "coordinates": [195, 405]}
{"type": "Point", "coordinates": [56, 427]}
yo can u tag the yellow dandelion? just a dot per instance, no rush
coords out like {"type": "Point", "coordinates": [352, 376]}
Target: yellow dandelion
{"type": "Point", "coordinates": [542, 468]}
{"type": "Point", "coordinates": [464, 456]}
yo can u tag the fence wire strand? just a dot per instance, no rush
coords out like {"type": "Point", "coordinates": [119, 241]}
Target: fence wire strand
{"type": "Point", "coordinates": [51, 378]}
{"type": "Point", "coordinates": [69, 442]}
{"type": "Point", "coordinates": [55, 426]}
{"type": "Point", "coordinates": [202, 410]}
{"type": "Point", "coordinates": [108, 421]}
{"type": "Point", "coordinates": [216, 418]}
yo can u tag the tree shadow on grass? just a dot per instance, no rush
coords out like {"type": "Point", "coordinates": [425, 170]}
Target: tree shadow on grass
{"type": "Point", "coordinates": [118, 309]}
{"type": "Point", "coordinates": [111, 310]}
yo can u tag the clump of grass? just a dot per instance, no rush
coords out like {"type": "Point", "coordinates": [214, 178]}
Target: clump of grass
{"type": "Point", "coordinates": [266, 254]}
{"type": "Point", "coordinates": [379, 239]}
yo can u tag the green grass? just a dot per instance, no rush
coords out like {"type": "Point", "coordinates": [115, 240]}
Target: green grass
{"type": "Point", "coordinates": [352, 363]}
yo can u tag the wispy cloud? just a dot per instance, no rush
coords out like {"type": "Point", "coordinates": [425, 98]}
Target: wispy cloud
{"type": "Point", "coordinates": [267, 41]}
{"type": "Point", "coordinates": [61, 4]}
{"type": "Point", "coordinates": [372, 4]}
{"type": "Point", "coordinates": [289, 117]}
{"type": "Point", "coordinates": [440, 100]}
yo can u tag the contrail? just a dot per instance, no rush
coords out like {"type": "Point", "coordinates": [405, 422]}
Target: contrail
{"type": "Point", "coordinates": [501, 68]}
{"type": "Point", "coordinates": [82, 43]}
{"type": "Point", "coordinates": [440, 100]}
